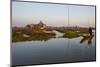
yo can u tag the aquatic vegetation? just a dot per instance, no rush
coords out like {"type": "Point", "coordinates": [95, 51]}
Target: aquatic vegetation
{"type": "Point", "coordinates": [72, 33]}
{"type": "Point", "coordinates": [28, 34]}
{"type": "Point", "coordinates": [16, 37]}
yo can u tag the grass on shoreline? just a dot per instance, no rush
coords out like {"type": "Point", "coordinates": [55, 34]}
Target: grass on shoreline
{"type": "Point", "coordinates": [17, 37]}
{"type": "Point", "coordinates": [73, 33]}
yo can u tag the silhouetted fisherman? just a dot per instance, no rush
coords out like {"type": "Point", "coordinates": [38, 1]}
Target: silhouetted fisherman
{"type": "Point", "coordinates": [90, 31]}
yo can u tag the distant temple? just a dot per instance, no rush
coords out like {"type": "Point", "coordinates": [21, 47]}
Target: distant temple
{"type": "Point", "coordinates": [36, 27]}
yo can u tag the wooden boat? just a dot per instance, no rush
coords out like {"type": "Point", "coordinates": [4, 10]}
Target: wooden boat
{"type": "Point", "coordinates": [87, 36]}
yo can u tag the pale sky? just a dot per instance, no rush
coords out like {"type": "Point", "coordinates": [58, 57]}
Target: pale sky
{"type": "Point", "coordinates": [24, 13]}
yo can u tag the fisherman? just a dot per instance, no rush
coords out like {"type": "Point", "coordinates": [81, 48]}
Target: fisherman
{"type": "Point", "coordinates": [90, 31]}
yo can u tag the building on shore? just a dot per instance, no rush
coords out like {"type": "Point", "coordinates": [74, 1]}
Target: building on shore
{"type": "Point", "coordinates": [36, 27]}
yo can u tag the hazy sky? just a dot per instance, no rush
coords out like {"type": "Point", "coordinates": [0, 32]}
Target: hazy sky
{"type": "Point", "coordinates": [24, 13]}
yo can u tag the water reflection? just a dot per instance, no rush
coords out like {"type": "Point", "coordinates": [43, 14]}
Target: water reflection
{"type": "Point", "coordinates": [53, 50]}
{"type": "Point", "coordinates": [82, 40]}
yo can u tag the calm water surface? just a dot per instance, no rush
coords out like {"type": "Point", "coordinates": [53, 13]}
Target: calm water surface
{"type": "Point", "coordinates": [55, 50]}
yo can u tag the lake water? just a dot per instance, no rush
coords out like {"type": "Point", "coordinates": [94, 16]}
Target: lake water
{"type": "Point", "coordinates": [55, 50]}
